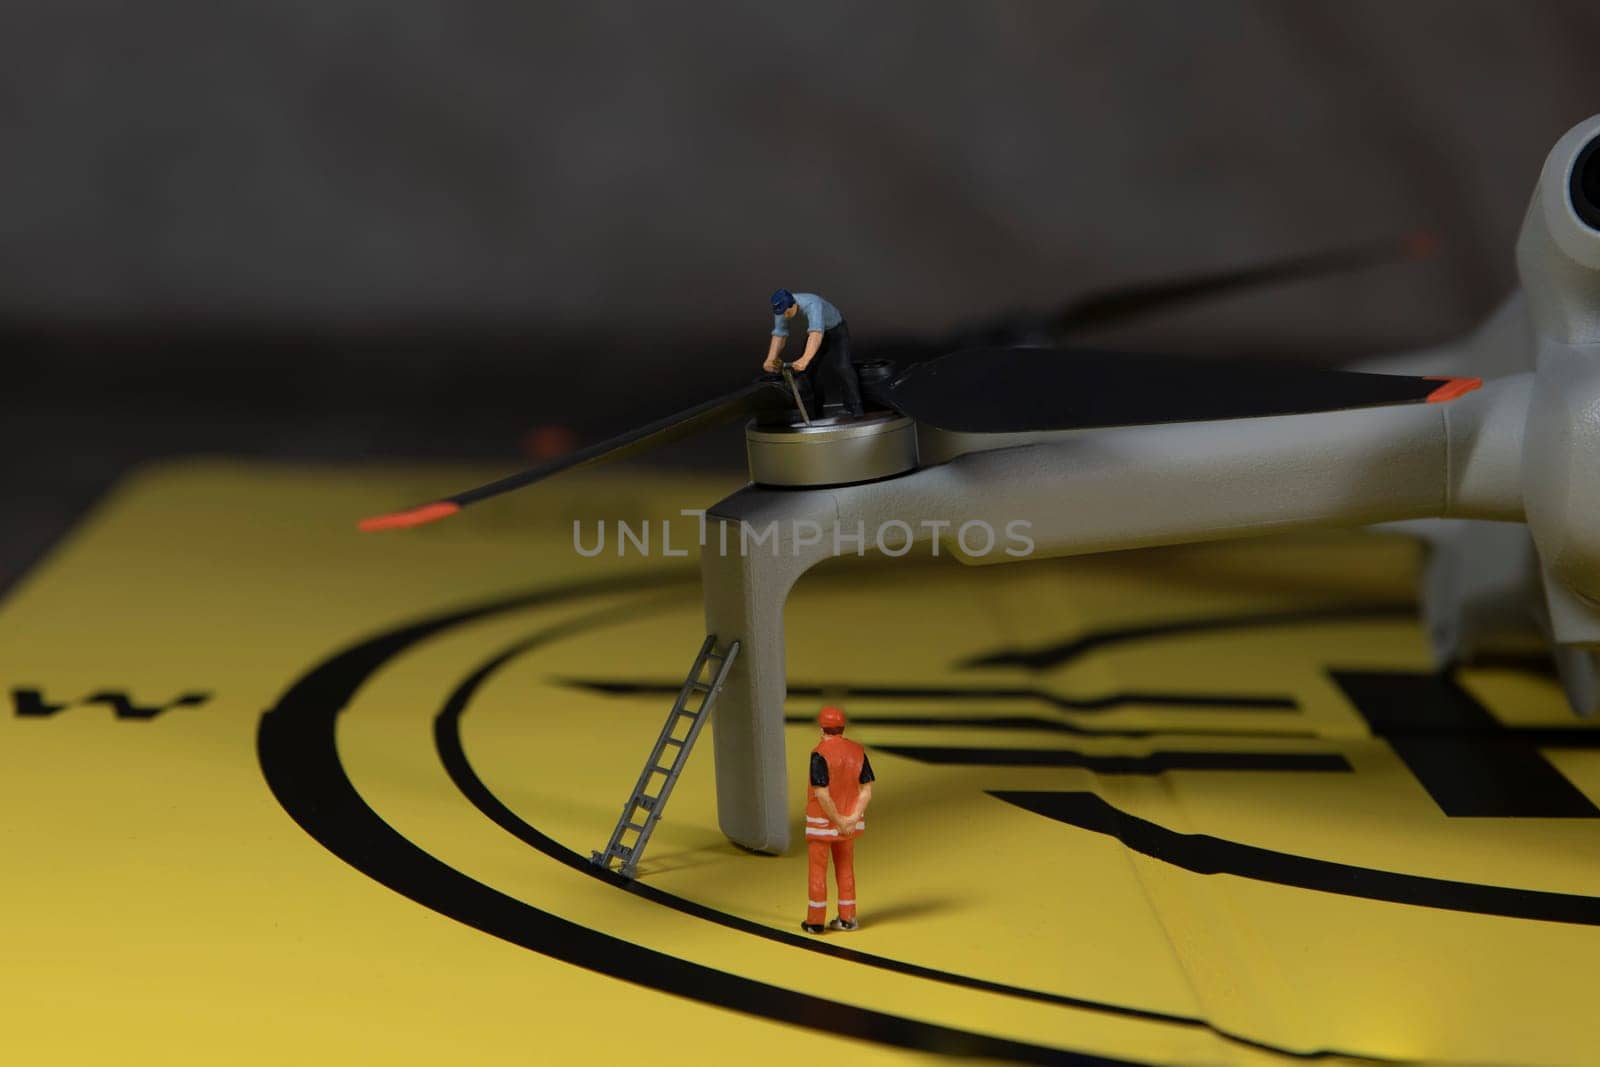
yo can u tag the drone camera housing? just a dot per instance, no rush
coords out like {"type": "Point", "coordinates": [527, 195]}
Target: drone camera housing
{"type": "Point", "coordinates": [1558, 251]}
{"type": "Point", "coordinates": [1558, 257]}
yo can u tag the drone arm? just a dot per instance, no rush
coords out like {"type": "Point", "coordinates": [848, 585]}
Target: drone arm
{"type": "Point", "coordinates": [1080, 492]}
{"type": "Point", "coordinates": [1157, 485]}
{"type": "Point", "coordinates": [1168, 484]}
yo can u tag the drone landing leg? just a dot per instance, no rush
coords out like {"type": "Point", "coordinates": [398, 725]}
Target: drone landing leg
{"type": "Point", "coordinates": [750, 560]}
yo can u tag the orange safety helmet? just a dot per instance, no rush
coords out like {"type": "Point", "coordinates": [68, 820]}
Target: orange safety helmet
{"type": "Point", "coordinates": [830, 718]}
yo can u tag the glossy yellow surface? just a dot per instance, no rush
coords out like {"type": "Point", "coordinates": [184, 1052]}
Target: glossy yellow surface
{"type": "Point", "coordinates": [160, 905]}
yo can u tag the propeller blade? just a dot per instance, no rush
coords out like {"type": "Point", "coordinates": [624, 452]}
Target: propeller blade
{"type": "Point", "coordinates": [1130, 301]}
{"type": "Point", "coordinates": [1018, 390]}
{"type": "Point", "coordinates": [760, 396]}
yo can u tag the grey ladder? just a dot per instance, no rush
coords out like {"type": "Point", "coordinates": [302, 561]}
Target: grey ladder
{"type": "Point", "coordinates": [650, 793]}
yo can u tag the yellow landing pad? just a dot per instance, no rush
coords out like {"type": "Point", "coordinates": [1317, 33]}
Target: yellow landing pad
{"type": "Point", "coordinates": [275, 791]}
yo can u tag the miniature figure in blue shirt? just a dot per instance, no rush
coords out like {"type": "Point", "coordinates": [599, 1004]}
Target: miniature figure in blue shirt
{"type": "Point", "coordinates": [827, 352]}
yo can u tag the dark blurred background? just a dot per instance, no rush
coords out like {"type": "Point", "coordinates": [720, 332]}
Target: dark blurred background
{"type": "Point", "coordinates": [340, 230]}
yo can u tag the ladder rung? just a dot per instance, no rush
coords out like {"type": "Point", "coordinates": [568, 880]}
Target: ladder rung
{"type": "Point", "coordinates": [641, 800]}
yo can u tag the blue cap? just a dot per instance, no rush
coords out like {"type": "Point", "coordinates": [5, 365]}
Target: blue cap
{"type": "Point", "coordinates": [782, 300]}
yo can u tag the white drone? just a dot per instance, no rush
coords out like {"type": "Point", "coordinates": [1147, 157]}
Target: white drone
{"type": "Point", "coordinates": [1100, 451]}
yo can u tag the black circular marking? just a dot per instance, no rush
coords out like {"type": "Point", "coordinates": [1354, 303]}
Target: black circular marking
{"type": "Point", "coordinates": [447, 739]}
{"type": "Point", "coordinates": [1204, 854]}
{"type": "Point", "coordinates": [1583, 189]}
{"type": "Point", "coordinates": [299, 760]}
{"type": "Point", "coordinates": [298, 755]}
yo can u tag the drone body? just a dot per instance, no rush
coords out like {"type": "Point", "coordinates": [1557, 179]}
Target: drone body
{"type": "Point", "coordinates": [1100, 451]}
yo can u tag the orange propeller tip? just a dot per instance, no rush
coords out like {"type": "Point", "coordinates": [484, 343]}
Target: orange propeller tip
{"type": "Point", "coordinates": [396, 520]}
{"type": "Point", "coordinates": [1452, 388]}
{"type": "Point", "coordinates": [1421, 244]}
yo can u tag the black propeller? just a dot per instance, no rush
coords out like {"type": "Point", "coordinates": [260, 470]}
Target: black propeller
{"type": "Point", "coordinates": [1016, 390]}
{"type": "Point", "coordinates": [997, 389]}
{"type": "Point", "coordinates": [764, 395]}
{"type": "Point", "coordinates": [1133, 300]}
{"type": "Point", "coordinates": [1130, 301]}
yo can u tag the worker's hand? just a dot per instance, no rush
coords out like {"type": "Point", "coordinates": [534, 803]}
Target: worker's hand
{"type": "Point", "coordinates": [802, 363]}
{"type": "Point", "coordinates": [771, 365]}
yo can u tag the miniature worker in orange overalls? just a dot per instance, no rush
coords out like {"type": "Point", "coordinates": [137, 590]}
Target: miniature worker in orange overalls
{"type": "Point", "coordinates": [836, 808]}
